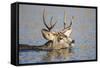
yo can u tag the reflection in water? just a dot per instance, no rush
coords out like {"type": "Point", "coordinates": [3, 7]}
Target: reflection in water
{"type": "Point", "coordinates": [57, 55]}
{"type": "Point", "coordinates": [32, 56]}
{"type": "Point", "coordinates": [79, 52]}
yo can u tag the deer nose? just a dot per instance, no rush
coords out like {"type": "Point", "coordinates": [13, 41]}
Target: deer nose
{"type": "Point", "coordinates": [73, 41]}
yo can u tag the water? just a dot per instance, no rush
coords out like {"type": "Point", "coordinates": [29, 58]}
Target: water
{"type": "Point", "coordinates": [76, 53]}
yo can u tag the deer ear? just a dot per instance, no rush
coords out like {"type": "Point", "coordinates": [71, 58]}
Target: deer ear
{"type": "Point", "coordinates": [67, 33]}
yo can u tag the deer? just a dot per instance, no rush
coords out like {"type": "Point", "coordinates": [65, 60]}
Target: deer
{"type": "Point", "coordinates": [61, 38]}
{"type": "Point", "coordinates": [55, 40]}
{"type": "Point", "coordinates": [58, 54]}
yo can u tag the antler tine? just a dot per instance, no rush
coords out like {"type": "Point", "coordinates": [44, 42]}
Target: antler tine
{"type": "Point", "coordinates": [44, 19]}
{"type": "Point", "coordinates": [51, 21]}
{"type": "Point", "coordinates": [69, 25]}
{"type": "Point", "coordinates": [64, 20]}
{"type": "Point", "coordinates": [71, 22]}
{"type": "Point", "coordinates": [52, 25]}
{"type": "Point", "coordinates": [48, 27]}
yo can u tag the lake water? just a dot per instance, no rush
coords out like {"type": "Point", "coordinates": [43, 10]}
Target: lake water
{"type": "Point", "coordinates": [76, 53]}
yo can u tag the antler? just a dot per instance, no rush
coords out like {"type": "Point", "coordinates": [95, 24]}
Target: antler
{"type": "Point", "coordinates": [64, 20]}
{"type": "Point", "coordinates": [51, 25]}
{"type": "Point", "coordinates": [65, 17]}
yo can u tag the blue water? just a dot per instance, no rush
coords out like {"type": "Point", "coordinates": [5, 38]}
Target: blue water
{"type": "Point", "coordinates": [86, 52]}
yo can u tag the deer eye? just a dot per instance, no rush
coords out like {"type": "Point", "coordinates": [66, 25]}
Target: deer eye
{"type": "Point", "coordinates": [60, 38]}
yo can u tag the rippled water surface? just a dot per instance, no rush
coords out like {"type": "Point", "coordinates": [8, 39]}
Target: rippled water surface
{"type": "Point", "coordinates": [75, 53]}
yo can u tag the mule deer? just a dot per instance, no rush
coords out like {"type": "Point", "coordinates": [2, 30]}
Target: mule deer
{"type": "Point", "coordinates": [56, 40]}
{"type": "Point", "coordinates": [61, 38]}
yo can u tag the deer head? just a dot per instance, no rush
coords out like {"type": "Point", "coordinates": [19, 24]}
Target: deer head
{"type": "Point", "coordinates": [61, 36]}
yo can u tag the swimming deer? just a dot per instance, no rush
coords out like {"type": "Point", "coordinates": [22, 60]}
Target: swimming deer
{"type": "Point", "coordinates": [61, 38]}
{"type": "Point", "coordinates": [56, 40]}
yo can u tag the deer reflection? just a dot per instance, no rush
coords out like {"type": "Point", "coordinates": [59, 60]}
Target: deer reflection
{"type": "Point", "coordinates": [58, 55]}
